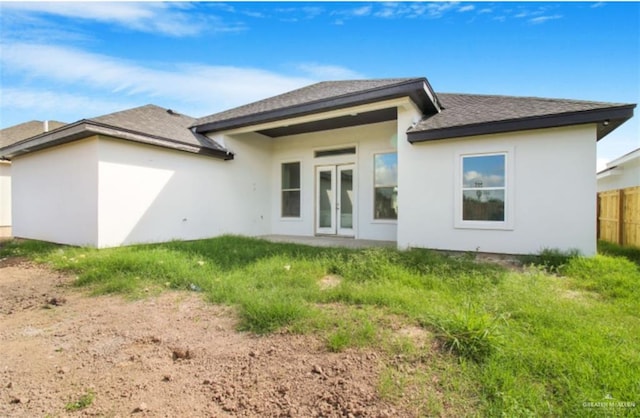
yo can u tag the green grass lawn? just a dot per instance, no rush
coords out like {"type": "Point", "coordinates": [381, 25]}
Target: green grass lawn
{"type": "Point", "coordinates": [559, 338]}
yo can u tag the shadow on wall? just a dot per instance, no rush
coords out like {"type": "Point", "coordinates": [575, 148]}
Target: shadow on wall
{"type": "Point", "coordinates": [149, 194]}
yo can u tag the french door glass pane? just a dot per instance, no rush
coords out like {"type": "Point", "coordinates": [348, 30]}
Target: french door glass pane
{"type": "Point", "coordinates": [326, 195]}
{"type": "Point", "coordinates": [346, 196]}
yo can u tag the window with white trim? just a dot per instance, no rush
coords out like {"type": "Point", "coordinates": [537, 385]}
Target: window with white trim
{"type": "Point", "coordinates": [385, 198]}
{"type": "Point", "coordinates": [290, 190]}
{"type": "Point", "coordinates": [484, 188]}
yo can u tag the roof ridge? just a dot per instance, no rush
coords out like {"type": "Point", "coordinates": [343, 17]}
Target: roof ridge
{"type": "Point", "coordinates": [546, 99]}
{"type": "Point", "coordinates": [387, 83]}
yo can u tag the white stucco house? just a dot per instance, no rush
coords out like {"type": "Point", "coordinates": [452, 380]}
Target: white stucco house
{"type": "Point", "coordinates": [386, 159]}
{"type": "Point", "coordinates": [621, 173]}
{"type": "Point", "coordinates": [9, 136]}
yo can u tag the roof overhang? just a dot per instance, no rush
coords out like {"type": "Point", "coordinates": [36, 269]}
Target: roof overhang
{"type": "Point", "coordinates": [610, 172]}
{"type": "Point", "coordinates": [418, 90]}
{"type": "Point", "coordinates": [607, 119]}
{"type": "Point", "coordinates": [86, 128]}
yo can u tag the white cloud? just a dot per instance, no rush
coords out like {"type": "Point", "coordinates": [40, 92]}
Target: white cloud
{"type": "Point", "coordinates": [154, 17]}
{"type": "Point", "coordinates": [50, 104]}
{"type": "Point", "coordinates": [467, 8]}
{"type": "Point", "coordinates": [362, 11]}
{"type": "Point", "coordinates": [414, 10]}
{"type": "Point", "coordinates": [386, 170]}
{"type": "Point", "coordinates": [542, 19]}
{"type": "Point", "coordinates": [194, 89]}
{"type": "Point", "coordinates": [492, 180]}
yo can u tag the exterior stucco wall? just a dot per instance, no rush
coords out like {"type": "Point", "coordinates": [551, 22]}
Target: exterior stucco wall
{"type": "Point", "coordinates": [55, 194]}
{"type": "Point", "coordinates": [5, 199]}
{"type": "Point", "coordinates": [150, 194]}
{"type": "Point", "coordinates": [368, 140]}
{"type": "Point", "coordinates": [628, 175]}
{"type": "Point", "coordinates": [553, 192]}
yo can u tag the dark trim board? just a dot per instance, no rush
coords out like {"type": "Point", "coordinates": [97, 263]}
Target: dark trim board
{"type": "Point", "coordinates": [414, 89]}
{"type": "Point", "coordinates": [613, 117]}
{"type": "Point", "coordinates": [366, 118]}
{"type": "Point", "coordinates": [86, 128]}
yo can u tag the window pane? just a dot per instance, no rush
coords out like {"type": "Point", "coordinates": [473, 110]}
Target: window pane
{"type": "Point", "coordinates": [386, 203]}
{"type": "Point", "coordinates": [291, 176]}
{"type": "Point", "coordinates": [386, 169]}
{"type": "Point", "coordinates": [483, 171]}
{"type": "Point", "coordinates": [483, 205]}
{"type": "Point", "coordinates": [346, 199]}
{"type": "Point", "coordinates": [326, 195]}
{"type": "Point", "coordinates": [291, 204]}
{"type": "Point", "coordinates": [332, 152]}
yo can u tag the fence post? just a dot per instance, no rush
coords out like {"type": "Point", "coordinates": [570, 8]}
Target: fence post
{"type": "Point", "coordinates": [621, 216]}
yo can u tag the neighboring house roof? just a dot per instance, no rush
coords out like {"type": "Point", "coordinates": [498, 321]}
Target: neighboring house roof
{"type": "Point", "coordinates": [612, 166]}
{"type": "Point", "coordinates": [473, 114]}
{"type": "Point", "coordinates": [16, 133]}
{"type": "Point", "coordinates": [321, 97]}
{"type": "Point", "coordinates": [148, 124]}
{"type": "Point", "coordinates": [445, 115]}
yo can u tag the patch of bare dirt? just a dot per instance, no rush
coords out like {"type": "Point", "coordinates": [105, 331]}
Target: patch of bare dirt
{"type": "Point", "coordinates": [171, 355]}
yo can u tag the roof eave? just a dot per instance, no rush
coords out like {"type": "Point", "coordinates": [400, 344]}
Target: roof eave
{"type": "Point", "coordinates": [419, 90]}
{"type": "Point", "coordinates": [608, 118]}
{"type": "Point", "coordinates": [86, 128]}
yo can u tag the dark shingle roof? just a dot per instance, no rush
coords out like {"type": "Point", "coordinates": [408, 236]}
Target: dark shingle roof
{"type": "Point", "coordinates": [158, 122]}
{"type": "Point", "coordinates": [148, 124]}
{"type": "Point", "coordinates": [467, 109]}
{"type": "Point", "coordinates": [17, 133]}
{"type": "Point", "coordinates": [315, 93]}
{"type": "Point", "coordinates": [508, 113]}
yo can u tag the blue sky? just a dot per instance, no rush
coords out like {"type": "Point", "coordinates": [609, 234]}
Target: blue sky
{"type": "Point", "coordinates": [68, 61]}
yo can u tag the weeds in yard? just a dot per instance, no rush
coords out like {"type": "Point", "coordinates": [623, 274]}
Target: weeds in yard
{"type": "Point", "coordinates": [570, 337]}
{"type": "Point", "coordinates": [470, 332]}
{"type": "Point", "coordinates": [614, 250]}
{"type": "Point", "coordinates": [83, 402]}
{"type": "Point", "coordinates": [551, 260]}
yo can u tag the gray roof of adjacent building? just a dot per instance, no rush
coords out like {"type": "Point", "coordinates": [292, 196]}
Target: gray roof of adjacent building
{"type": "Point", "coordinates": [16, 133]}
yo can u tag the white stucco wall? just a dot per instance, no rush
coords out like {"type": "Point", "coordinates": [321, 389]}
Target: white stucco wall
{"type": "Point", "coordinates": [152, 194]}
{"type": "Point", "coordinates": [368, 140]}
{"type": "Point", "coordinates": [623, 176]}
{"type": "Point", "coordinates": [55, 194]}
{"type": "Point", "coordinates": [553, 186]}
{"type": "Point", "coordinates": [5, 198]}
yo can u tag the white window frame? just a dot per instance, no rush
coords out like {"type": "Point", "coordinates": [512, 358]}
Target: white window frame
{"type": "Point", "coordinates": [281, 191]}
{"type": "Point", "coordinates": [508, 223]}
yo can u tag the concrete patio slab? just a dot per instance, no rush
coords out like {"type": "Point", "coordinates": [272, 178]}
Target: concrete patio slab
{"type": "Point", "coordinates": [325, 241]}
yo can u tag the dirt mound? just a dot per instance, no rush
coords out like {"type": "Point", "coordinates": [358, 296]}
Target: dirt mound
{"type": "Point", "coordinates": [166, 356]}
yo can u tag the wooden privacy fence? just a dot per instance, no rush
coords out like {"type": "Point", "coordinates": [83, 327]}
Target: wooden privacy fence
{"type": "Point", "coordinates": [619, 216]}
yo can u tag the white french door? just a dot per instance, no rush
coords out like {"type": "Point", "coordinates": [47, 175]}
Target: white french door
{"type": "Point", "coordinates": [335, 200]}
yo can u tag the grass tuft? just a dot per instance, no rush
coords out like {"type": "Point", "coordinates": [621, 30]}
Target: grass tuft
{"type": "Point", "coordinates": [83, 402]}
{"type": "Point", "coordinates": [469, 333]}
{"type": "Point", "coordinates": [551, 260]}
{"type": "Point", "coordinates": [265, 315]}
